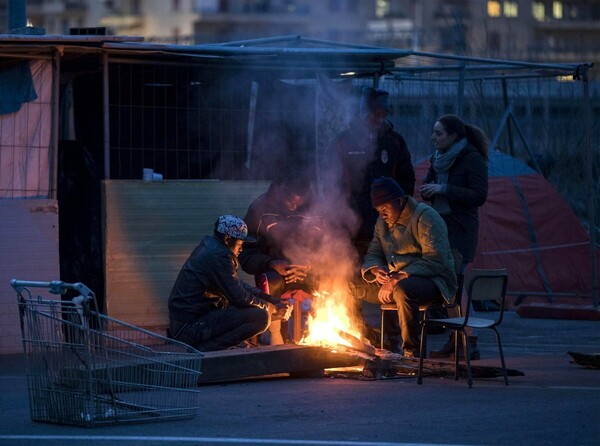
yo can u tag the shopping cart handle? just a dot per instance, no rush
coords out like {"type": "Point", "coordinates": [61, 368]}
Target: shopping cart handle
{"type": "Point", "coordinates": [54, 287]}
{"type": "Point", "coordinates": [82, 289]}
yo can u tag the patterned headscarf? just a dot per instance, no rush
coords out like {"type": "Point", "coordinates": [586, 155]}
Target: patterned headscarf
{"type": "Point", "coordinates": [232, 226]}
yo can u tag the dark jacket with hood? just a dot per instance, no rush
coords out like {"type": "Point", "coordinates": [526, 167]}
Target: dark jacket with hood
{"type": "Point", "coordinates": [280, 233]}
{"type": "Point", "coordinates": [208, 281]}
{"type": "Point", "coordinates": [365, 154]}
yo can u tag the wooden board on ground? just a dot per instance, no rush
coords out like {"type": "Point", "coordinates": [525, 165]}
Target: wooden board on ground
{"type": "Point", "coordinates": [394, 364]}
{"type": "Point", "coordinates": [295, 360]}
{"type": "Point", "coordinates": [301, 360]}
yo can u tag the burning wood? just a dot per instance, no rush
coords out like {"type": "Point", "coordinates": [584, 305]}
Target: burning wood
{"type": "Point", "coordinates": [331, 326]}
{"type": "Point", "coordinates": [330, 323]}
{"type": "Point", "coordinates": [356, 344]}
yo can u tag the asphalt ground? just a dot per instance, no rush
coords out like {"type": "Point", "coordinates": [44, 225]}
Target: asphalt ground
{"type": "Point", "coordinates": [556, 402]}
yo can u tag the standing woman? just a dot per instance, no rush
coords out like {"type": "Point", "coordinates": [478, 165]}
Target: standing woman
{"type": "Point", "coordinates": [456, 184]}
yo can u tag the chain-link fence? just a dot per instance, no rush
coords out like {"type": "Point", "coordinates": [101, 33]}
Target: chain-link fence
{"type": "Point", "coordinates": [192, 123]}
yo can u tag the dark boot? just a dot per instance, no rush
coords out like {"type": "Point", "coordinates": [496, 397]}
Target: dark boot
{"type": "Point", "coordinates": [474, 352]}
{"type": "Point", "coordinates": [446, 351]}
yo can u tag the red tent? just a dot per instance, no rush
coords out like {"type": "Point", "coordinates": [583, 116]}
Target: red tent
{"type": "Point", "coordinates": [529, 229]}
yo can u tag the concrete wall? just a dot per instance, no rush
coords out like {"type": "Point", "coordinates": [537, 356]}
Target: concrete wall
{"type": "Point", "coordinates": [28, 251]}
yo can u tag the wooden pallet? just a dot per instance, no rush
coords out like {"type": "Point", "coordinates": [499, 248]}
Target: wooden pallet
{"type": "Point", "coordinates": [293, 360]}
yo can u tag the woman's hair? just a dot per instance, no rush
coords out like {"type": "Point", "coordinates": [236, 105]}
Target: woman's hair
{"type": "Point", "coordinates": [475, 136]}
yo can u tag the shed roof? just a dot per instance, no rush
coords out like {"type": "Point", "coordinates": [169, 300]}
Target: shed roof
{"type": "Point", "coordinates": [295, 55]}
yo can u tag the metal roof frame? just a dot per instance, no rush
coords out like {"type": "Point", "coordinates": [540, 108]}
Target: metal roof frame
{"type": "Point", "coordinates": [294, 55]}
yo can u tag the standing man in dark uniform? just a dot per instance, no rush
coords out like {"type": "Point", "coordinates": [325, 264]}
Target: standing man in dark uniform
{"type": "Point", "coordinates": [369, 149]}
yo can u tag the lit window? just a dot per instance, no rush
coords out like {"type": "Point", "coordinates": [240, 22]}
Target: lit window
{"type": "Point", "coordinates": [511, 9]}
{"type": "Point", "coordinates": [573, 12]}
{"type": "Point", "coordinates": [538, 11]}
{"type": "Point", "coordinates": [493, 8]}
{"type": "Point", "coordinates": [557, 10]}
{"type": "Point", "coordinates": [382, 8]}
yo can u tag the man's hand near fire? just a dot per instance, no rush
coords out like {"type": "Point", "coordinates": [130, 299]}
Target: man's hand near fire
{"type": "Point", "coordinates": [290, 272]}
{"type": "Point", "coordinates": [388, 281]}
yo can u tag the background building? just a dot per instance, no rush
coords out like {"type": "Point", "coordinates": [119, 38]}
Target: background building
{"type": "Point", "coordinates": [549, 30]}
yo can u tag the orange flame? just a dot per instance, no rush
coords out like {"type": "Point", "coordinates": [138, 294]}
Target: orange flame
{"type": "Point", "coordinates": [329, 317]}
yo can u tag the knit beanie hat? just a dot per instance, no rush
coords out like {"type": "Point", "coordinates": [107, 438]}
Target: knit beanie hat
{"type": "Point", "coordinates": [384, 190]}
{"type": "Point", "coordinates": [234, 227]}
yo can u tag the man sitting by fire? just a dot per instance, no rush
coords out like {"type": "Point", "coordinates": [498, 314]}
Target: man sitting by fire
{"type": "Point", "coordinates": [287, 235]}
{"type": "Point", "coordinates": [409, 258]}
{"type": "Point", "coordinates": [210, 308]}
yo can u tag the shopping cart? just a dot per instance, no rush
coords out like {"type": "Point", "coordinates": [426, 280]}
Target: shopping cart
{"type": "Point", "coordinates": [87, 369]}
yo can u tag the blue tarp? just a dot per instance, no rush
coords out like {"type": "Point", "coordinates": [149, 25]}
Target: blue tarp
{"type": "Point", "coordinates": [16, 87]}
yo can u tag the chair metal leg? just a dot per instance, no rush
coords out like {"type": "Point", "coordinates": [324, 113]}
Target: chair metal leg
{"type": "Point", "coordinates": [456, 335]}
{"type": "Point", "coordinates": [501, 355]}
{"type": "Point", "coordinates": [422, 317]}
{"type": "Point", "coordinates": [422, 347]}
{"type": "Point", "coordinates": [467, 359]}
{"type": "Point", "coordinates": [297, 316]}
{"type": "Point", "coordinates": [382, 328]}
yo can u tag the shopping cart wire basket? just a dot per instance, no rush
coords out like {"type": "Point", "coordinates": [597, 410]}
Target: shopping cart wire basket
{"type": "Point", "coordinates": [87, 369]}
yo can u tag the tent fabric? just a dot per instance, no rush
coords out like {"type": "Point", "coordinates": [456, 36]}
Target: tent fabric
{"type": "Point", "coordinates": [526, 227]}
{"type": "Point", "coordinates": [25, 141]}
{"type": "Point", "coordinates": [16, 87]}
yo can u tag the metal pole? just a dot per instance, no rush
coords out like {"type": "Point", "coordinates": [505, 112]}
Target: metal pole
{"type": "Point", "coordinates": [251, 122]}
{"type": "Point", "coordinates": [591, 187]}
{"type": "Point", "coordinates": [511, 143]}
{"type": "Point", "coordinates": [416, 37]}
{"type": "Point", "coordinates": [54, 123]}
{"type": "Point", "coordinates": [105, 115]}
{"type": "Point", "coordinates": [461, 92]}
{"type": "Point", "coordinates": [17, 16]}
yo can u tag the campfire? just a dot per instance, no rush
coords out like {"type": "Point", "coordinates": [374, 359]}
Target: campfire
{"type": "Point", "coordinates": [331, 324]}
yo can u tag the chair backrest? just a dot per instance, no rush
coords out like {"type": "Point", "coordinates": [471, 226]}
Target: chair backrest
{"type": "Point", "coordinates": [487, 284]}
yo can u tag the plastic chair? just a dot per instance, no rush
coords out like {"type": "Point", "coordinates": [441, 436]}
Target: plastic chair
{"type": "Point", "coordinates": [482, 284]}
{"type": "Point", "coordinates": [423, 309]}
